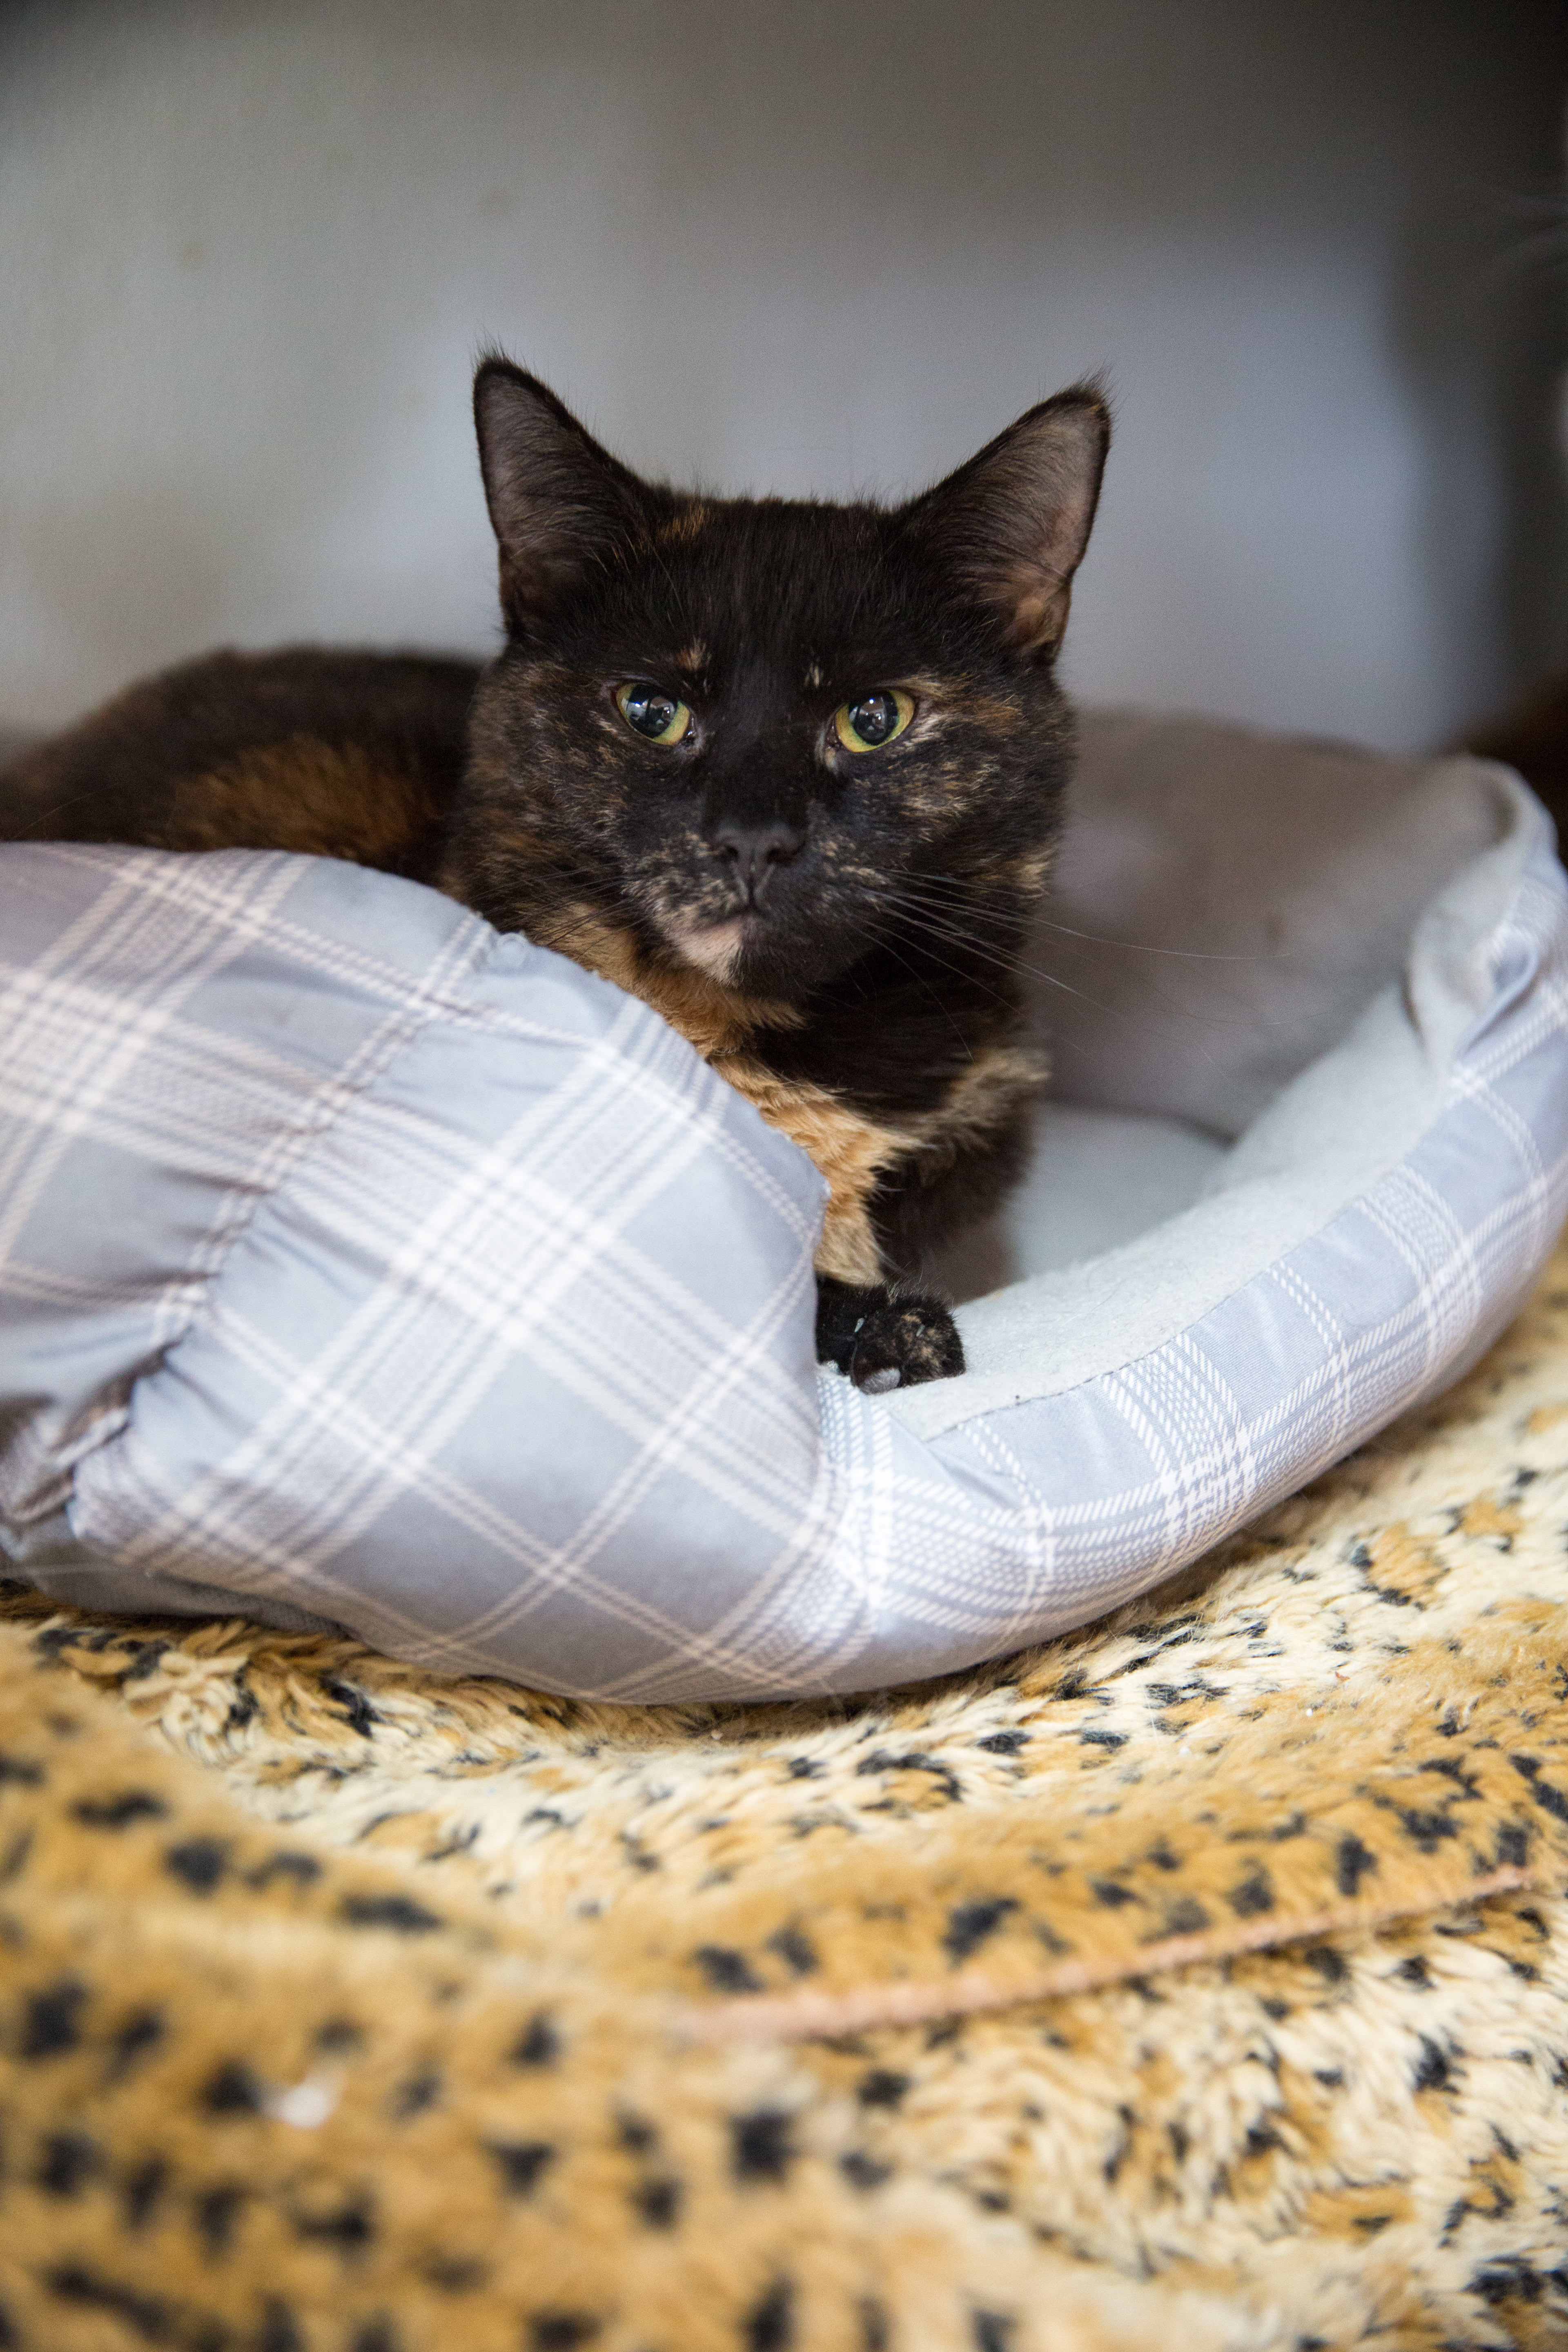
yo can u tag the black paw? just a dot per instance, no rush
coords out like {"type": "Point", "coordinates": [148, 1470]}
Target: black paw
{"type": "Point", "coordinates": [889, 1336]}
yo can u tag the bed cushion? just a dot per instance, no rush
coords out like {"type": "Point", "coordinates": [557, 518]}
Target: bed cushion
{"type": "Point", "coordinates": [363, 1266]}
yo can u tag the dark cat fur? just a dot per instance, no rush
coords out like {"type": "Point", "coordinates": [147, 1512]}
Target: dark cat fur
{"type": "Point", "coordinates": [835, 928]}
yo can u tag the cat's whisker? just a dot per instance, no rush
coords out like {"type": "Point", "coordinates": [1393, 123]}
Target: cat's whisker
{"type": "Point", "coordinates": [1143, 947]}
{"type": "Point", "coordinates": [1184, 1013]}
{"type": "Point", "coordinates": [1128, 1013]}
{"type": "Point", "coordinates": [979, 952]}
{"type": "Point", "coordinates": [997, 994]}
{"type": "Point", "coordinates": [921, 981]}
{"type": "Point", "coordinates": [44, 816]}
{"type": "Point", "coordinates": [967, 941]}
{"type": "Point", "coordinates": [940, 925]}
{"type": "Point", "coordinates": [1097, 939]}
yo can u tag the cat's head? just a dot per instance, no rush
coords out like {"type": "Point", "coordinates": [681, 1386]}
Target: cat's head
{"type": "Point", "coordinates": [765, 732]}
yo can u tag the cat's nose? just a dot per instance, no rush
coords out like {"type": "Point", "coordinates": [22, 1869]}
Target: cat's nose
{"type": "Point", "coordinates": [753, 851]}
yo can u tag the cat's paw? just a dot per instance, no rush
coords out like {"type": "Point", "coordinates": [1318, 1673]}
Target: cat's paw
{"type": "Point", "coordinates": [908, 1338]}
{"type": "Point", "coordinates": [890, 1336]}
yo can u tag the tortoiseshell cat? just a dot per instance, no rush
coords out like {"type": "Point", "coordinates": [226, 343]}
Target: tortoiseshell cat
{"type": "Point", "coordinates": [791, 772]}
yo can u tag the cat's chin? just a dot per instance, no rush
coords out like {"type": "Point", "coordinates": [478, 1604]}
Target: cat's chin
{"type": "Point", "coordinates": [714, 949]}
{"type": "Point", "coordinates": [757, 956]}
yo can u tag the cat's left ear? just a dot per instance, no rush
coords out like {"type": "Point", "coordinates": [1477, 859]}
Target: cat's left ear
{"type": "Point", "coordinates": [1011, 526]}
{"type": "Point", "coordinates": [559, 502]}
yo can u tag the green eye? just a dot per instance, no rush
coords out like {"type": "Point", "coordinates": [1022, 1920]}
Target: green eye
{"type": "Point", "coordinates": [873, 719]}
{"type": "Point", "coordinates": [657, 717]}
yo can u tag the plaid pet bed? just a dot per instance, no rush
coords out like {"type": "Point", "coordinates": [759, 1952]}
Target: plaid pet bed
{"type": "Point", "coordinates": [360, 1265]}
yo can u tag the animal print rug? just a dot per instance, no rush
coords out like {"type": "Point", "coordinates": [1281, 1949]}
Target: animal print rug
{"type": "Point", "coordinates": [1198, 1981]}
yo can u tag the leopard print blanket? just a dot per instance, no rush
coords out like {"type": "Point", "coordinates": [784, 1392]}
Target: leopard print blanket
{"type": "Point", "coordinates": [1199, 1978]}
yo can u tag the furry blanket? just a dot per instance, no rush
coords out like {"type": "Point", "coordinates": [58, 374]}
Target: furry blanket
{"type": "Point", "coordinates": [1200, 1979]}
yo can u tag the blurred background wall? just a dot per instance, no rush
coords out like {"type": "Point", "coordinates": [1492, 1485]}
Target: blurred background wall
{"type": "Point", "coordinates": [247, 253]}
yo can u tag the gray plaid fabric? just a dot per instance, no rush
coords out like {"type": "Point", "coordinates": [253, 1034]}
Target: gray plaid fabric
{"type": "Point", "coordinates": [360, 1265]}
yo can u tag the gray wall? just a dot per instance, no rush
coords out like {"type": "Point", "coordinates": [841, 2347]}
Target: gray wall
{"type": "Point", "coordinates": [247, 253]}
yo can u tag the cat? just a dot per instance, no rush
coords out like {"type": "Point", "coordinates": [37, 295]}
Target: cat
{"type": "Point", "coordinates": [791, 772]}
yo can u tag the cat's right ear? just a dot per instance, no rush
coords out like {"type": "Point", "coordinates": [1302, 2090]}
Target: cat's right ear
{"type": "Point", "coordinates": [558, 501]}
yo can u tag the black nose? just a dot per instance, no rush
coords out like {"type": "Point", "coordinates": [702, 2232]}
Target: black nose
{"type": "Point", "coordinates": [754, 850]}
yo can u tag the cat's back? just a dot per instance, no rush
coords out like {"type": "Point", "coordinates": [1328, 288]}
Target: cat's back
{"type": "Point", "coordinates": [335, 754]}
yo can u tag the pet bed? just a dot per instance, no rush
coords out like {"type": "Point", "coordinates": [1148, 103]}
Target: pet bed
{"type": "Point", "coordinates": [363, 1267]}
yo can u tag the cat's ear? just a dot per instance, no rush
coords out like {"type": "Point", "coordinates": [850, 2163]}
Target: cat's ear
{"type": "Point", "coordinates": [558, 501]}
{"type": "Point", "coordinates": [1010, 527]}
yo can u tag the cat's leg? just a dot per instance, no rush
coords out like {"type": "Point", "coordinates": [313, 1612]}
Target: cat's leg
{"type": "Point", "coordinates": [893, 1192]}
{"type": "Point", "coordinates": [885, 1332]}
{"type": "Point", "coordinates": [886, 1335]}
{"type": "Point", "coordinates": [898, 1333]}
{"type": "Point", "coordinates": [938, 1193]}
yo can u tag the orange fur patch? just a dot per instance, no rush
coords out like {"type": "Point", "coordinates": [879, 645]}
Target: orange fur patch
{"type": "Point", "coordinates": [315, 798]}
{"type": "Point", "coordinates": [853, 1152]}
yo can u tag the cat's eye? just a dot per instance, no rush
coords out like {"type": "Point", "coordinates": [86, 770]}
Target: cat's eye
{"type": "Point", "coordinates": [650, 713]}
{"type": "Point", "coordinates": [873, 719]}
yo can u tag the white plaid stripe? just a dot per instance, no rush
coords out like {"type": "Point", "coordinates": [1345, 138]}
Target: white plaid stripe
{"type": "Point", "coordinates": [391, 1325]}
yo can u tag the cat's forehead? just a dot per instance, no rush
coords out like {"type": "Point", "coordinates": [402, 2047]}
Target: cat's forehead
{"type": "Point", "coordinates": [796, 586]}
